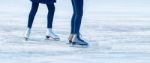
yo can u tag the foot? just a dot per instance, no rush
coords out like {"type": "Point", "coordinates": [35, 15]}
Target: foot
{"type": "Point", "coordinates": [52, 35]}
{"type": "Point", "coordinates": [76, 40]}
{"type": "Point", "coordinates": [27, 33]}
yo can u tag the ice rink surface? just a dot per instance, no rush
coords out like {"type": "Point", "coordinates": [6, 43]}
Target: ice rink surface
{"type": "Point", "coordinates": [118, 31]}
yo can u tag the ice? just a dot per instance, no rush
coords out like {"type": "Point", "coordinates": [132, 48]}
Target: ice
{"type": "Point", "coordinates": [118, 31]}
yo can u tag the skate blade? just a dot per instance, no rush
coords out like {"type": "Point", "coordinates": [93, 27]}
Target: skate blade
{"type": "Point", "coordinates": [26, 39]}
{"type": "Point", "coordinates": [50, 38]}
{"type": "Point", "coordinates": [78, 46]}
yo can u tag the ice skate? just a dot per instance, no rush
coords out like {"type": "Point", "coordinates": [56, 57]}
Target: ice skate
{"type": "Point", "coordinates": [27, 34]}
{"type": "Point", "coordinates": [51, 35]}
{"type": "Point", "coordinates": [77, 41]}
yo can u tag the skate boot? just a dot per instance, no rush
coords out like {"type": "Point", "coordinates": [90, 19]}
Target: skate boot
{"type": "Point", "coordinates": [70, 38]}
{"type": "Point", "coordinates": [76, 40]}
{"type": "Point", "coordinates": [27, 34]}
{"type": "Point", "coordinates": [52, 35]}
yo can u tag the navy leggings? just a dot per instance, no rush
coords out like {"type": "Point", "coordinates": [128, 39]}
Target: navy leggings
{"type": "Point", "coordinates": [34, 8]}
{"type": "Point", "coordinates": [77, 16]}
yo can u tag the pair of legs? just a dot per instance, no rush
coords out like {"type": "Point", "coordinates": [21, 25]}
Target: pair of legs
{"type": "Point", "coordinates": [76, 23]}
{"type": "Point", "coordinates": [34, 8]}
{"type": "Point", "coordinates": [51, 10]}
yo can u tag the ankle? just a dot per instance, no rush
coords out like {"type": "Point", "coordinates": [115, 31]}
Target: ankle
{"type": "Point", "coordinates": [49, 29]}
{"type": "Point", "coordinates": [28, 28]}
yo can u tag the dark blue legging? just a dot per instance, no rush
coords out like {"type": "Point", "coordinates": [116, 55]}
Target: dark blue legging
{"type": "Point", "coordinates": [77, 16]}
{"type": "Point", "coordinates": [34, 8]}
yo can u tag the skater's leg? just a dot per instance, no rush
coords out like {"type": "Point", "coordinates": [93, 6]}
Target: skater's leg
{"type": "Point", "coordinates": [50, 16]}
{"type": "Point", "coordinates": [72, 23]}
{"type": "Point", "coordinates": [79, 15]}
{"type": "Point", "coordinates": [73, 18]}
{"type": "Point", "coordinates": [32, 14]}
{"type": "Point", "coordinates": [74, 37]}
{"type": "Point", "coordinates": [78, 7]}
